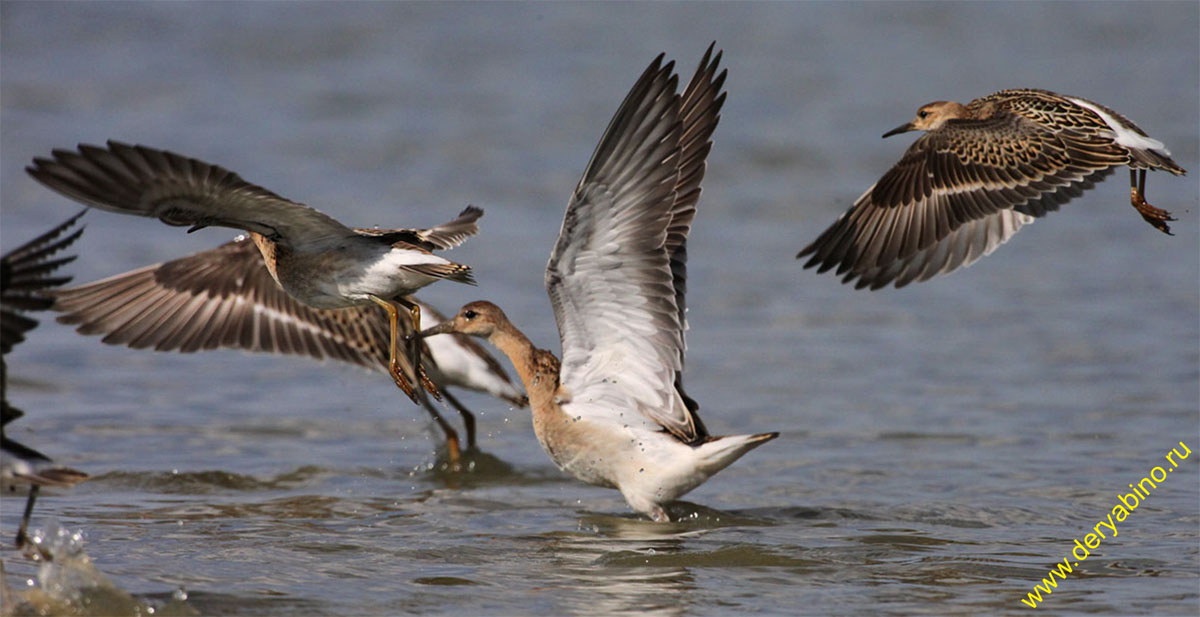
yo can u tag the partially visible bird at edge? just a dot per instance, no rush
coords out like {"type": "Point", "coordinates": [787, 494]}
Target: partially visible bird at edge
{"type": "Point", "coordinates": [26, 274]}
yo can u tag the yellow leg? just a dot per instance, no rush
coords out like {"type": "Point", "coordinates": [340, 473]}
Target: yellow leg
{"type": "Point", "coordinates": [453, 447]}
{"type": "Point", "coordinates": [393, 361]}
{"type": "Point", "coordinates": [1157, 217]}
{"type": "Point", "coordinates": [416, 346]}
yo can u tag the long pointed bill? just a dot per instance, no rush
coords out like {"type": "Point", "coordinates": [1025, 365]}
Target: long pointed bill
{"type": "Point", "coordinates": [442, 328]}
{"type": "Point", "coordinates": [903, 128]}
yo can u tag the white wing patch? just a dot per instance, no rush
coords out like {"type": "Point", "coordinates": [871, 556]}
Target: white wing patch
{"type": "Point", "coordinates": [1122, 134]}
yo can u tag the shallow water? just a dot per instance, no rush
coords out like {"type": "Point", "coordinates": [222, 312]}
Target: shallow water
{"type": "Point", "coordinates": [942, 445]}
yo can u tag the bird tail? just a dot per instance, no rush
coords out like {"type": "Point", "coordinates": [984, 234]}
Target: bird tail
{"type": "Point", "coordinates": [1155, 159]}
{"type": "Point", "coordinates": [719, 452]}
{"type": "Point", "coordinates": [449, 271]}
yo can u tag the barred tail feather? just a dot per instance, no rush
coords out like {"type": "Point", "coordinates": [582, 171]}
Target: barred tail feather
{"type": "Point", "coordinates": [1154, 159]}
{"type": "Point", "coordinates": [448, 271]}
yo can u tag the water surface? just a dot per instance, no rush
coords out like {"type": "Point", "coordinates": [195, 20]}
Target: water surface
{"type": "Point", "coordinates": [942, 444]}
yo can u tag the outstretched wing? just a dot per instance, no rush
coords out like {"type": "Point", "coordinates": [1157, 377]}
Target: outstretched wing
{"type": "Point", "coordinates": [701, 111]}
{"type": "Point", "coordinates": [178, 190]}
{"type": "Point", "coordinates": [618, 267]}
{"type": "Point", "coordinates": [25, 280]}
{"type": "Point", "coordinates": [25, 277]}
{"type": "Point", "coordinates": [221, 298]}
{"type": "Point", "coordinates": [959, 192]}
{"type": "Point", "coordinates": [443, 237]}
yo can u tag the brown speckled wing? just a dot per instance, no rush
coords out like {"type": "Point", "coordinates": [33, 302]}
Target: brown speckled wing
{"type": "Point", "coordinates": [958, 193]}
{"type": "Point", "coordinates": [221, 298]}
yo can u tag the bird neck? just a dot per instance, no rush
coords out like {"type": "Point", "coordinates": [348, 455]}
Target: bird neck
{"type": "Point", "coordinates": [537, 368]}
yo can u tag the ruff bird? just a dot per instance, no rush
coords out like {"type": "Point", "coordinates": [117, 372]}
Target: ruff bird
{"type": "Point", "coordinates": [981, 172]}
{"type": "Point", "coordinates": [613, 412]}
{"type": "Point", "coordinates": [314, 258]}
{"type": "Point", "coordinates": [226, 298]}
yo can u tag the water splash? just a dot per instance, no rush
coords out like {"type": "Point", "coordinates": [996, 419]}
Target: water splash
{"type": "Point", "coordinates": [68, 583]}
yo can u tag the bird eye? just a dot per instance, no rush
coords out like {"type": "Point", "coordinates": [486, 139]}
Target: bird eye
{"type": "Point", "coordinates": [922, 114]}
{"type": "Point", "coordinates": [469, 314]}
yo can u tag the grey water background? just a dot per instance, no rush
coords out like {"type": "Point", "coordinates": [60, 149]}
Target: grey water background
{"type": "Point", "coordinates": [942, 445]}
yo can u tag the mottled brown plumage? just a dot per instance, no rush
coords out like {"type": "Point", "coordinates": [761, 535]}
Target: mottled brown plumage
{"type": "Point", "coordinates": [314, 258]}
{"type": "Point", "coordinates": [226, 298]}
{"type": "Point", "coordinates": [981, 172]}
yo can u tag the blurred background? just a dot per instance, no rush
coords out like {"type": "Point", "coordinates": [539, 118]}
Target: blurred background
{"type": "Point", "coordinates": [942, 444]}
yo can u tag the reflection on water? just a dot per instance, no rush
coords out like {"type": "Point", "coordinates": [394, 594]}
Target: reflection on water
{"type": "Point", "coordinates": [602, 573]}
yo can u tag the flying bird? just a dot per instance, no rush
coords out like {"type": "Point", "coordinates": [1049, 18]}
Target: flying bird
{"type": "Point", "coordinates": [981, 172]}
{"type": "Point", "coordinates": [226, 298]}
{"type": "Point", "coordinates": [314, 258]}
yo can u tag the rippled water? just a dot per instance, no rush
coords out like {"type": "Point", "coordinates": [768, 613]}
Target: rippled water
{"type": "Point", "coordinates": [942, 445]}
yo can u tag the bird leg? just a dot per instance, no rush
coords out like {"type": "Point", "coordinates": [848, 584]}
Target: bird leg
{"type": "Point", "coordinates": [415, 347]}
{"type": "Point", "coordinates": [22, 532]}
{"type": "Point", "coordinates": [1157, 217]}
{"type": "Point", "coordinates": [453, 449]}
{"type": "Point", "coordinates": [393, 361]}
{"type": "Point", "coordinates": [467, 417]}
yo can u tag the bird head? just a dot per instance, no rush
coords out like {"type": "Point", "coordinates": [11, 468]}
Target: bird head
{"type": "Point", "coordinates": [932, 116]}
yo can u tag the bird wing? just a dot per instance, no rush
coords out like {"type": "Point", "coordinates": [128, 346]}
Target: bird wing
{"type": "Point", "coordinates": [443, 237]}
{"type": "Point", "coordinates": [179, 191]}
{"type": "Point", "coordinates": [25, 278]}
{"type": "Point", "coordinates": [610, 278]}
{"type": "Point", "coordinates": [221, 298]}
{"type": "Point", "coordinates": [959, 192]}
{"type": "Point", "coordinates": [700, 110]}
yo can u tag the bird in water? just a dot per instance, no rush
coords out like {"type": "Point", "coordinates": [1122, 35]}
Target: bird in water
{"type": "Point", "coordinates": [25, 277]}
{"type": "Point", "coordinates": [613, 412]}
{"type": "Point", "coordinates": [981, 172]}
{"type": "Point", "coordinates": [226, 298]}
{"type": "Point", "coordinates": [314, 258]}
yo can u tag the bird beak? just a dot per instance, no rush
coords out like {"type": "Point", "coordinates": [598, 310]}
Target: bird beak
{"type": "Point", "coordinates": [903, 128]}
{"type": "Point", "coordinates": [442, 328]}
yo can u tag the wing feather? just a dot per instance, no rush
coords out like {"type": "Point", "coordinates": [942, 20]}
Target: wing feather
{"type": "Point", "coordinates": [178, 190]}
{"type": "Point", "coordinates": [957, 194]}
{"type": "Point", "coordinates": [25, 280]}
{"type": "Point", "coordinates": [617, 275]}
{"type": "Point", "coordinates": [221, 298]}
